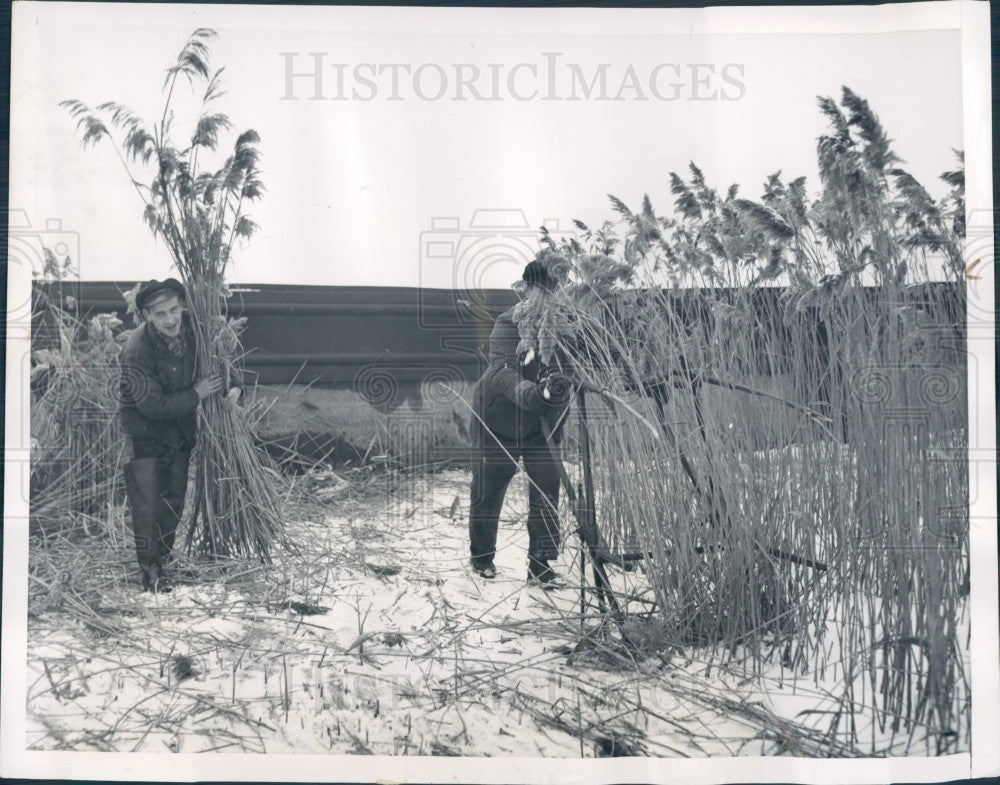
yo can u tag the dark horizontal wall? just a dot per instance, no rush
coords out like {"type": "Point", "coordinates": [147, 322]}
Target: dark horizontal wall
{"type": "Point", "coordinates": [343, 337]}
{"type": "Point", "coordinates": [339, 336]}
{"type": "Point", "coordinates": [384, 341]}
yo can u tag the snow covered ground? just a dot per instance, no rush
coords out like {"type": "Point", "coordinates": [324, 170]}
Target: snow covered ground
{"type": "Point", "coordinates": [377, 638]}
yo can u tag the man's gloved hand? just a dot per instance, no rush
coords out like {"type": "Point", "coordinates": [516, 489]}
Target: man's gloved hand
{"type": "Point", "coordinates": [553, 390]}
{"type": "Point", "coordinates": [557, 387]}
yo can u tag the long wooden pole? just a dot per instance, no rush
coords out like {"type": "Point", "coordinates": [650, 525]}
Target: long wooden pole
{"type": "Point", "coordinates": [604, 589]}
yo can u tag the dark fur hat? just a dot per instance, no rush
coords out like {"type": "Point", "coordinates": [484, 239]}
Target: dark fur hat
{"type": "Point", "coordinates": [536, 274]}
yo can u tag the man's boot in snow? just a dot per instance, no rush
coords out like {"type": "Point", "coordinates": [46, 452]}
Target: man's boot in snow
{"type": "Point", "coordinates": [541, 574]}
{"type": "Point", "coordinates": [142, 485]}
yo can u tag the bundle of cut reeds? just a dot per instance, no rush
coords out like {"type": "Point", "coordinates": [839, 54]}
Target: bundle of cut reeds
{"type": "Point", "coordinates": [199, 213]}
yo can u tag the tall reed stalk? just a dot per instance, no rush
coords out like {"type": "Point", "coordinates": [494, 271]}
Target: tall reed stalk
{"type": "Point", "coordinates": [199, 213]}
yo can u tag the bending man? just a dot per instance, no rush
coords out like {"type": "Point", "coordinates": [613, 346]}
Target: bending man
{"type": "Point", "coordinates": [509, 402]}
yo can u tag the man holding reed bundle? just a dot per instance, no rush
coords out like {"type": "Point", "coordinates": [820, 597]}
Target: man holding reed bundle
{"type": "Point", "coordinates": [160, 393]}
{"type": "Point", "coordinates": [515, 403]}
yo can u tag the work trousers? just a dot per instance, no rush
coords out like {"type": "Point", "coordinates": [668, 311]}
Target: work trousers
{"type": "Point", "coordinates": [492, 470]}
{"type": "Point", "coordinates": [156, 483]}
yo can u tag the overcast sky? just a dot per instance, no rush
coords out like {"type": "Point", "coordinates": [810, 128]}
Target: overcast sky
{"type": "Point", "coordinates": [446, 112]}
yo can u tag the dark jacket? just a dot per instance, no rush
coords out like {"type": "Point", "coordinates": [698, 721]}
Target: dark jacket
{"type": "Point", "coordinates": [158, 400]}
{"type": "Point", "coordinates": [507, 397]}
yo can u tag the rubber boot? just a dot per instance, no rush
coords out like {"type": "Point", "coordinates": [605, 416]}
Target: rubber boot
{"type": "Point", "coordinates": [541, 574]}
{"type": "Point", "coordinates": [142, 486]}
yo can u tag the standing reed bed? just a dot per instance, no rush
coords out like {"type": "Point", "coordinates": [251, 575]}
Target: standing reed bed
{"type": "Point", "coordinates": [77, 443]}
{"type": "Point", "coordinates": [198, 211]}
{"type": "Point", "coordinates": [779, 459]}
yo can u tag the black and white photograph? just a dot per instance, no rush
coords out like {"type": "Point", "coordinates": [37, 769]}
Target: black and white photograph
{"type": "Point", "coordinates": [483, 394]}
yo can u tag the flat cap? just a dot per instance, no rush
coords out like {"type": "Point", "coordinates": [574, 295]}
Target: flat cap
{"type": "Point", "coordinates": [152, 288]}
